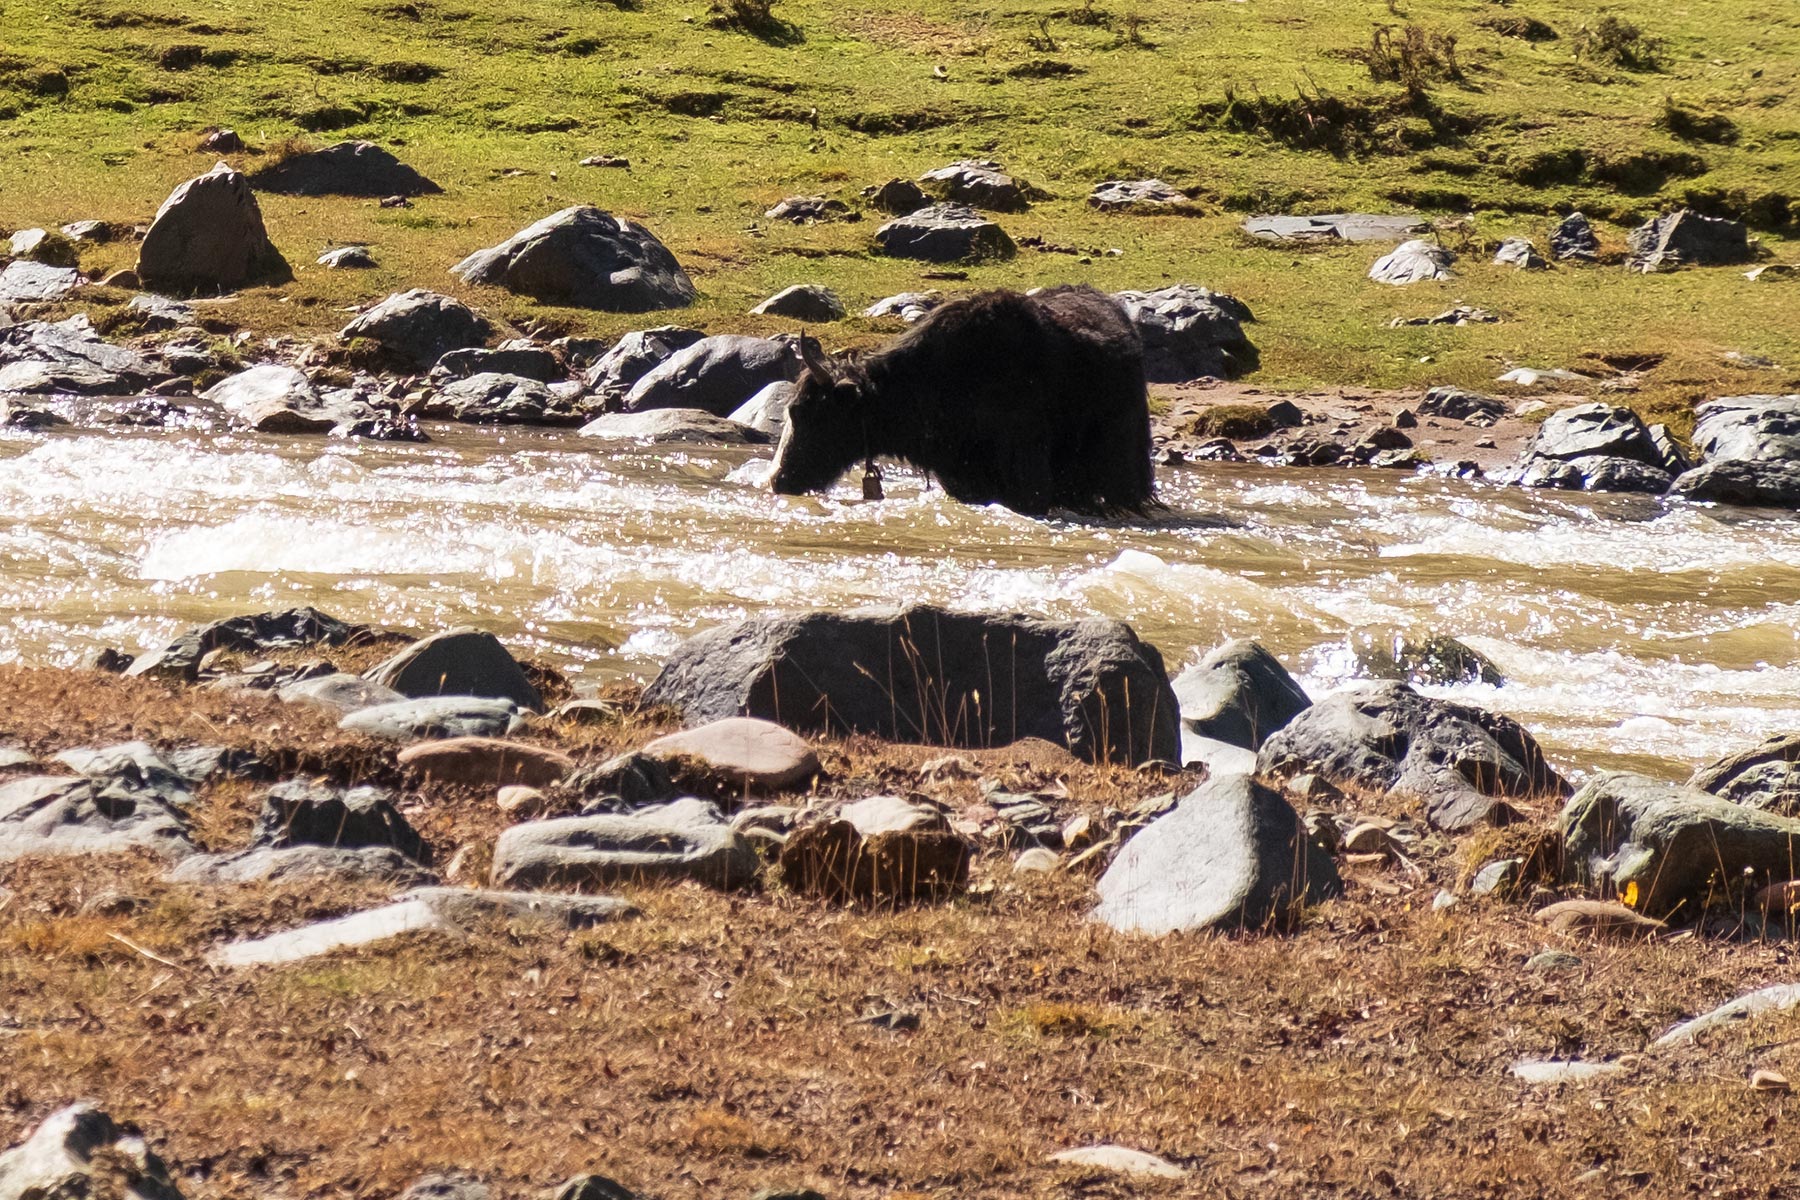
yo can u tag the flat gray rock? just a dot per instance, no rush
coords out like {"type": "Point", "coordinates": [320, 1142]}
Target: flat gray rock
{"type": "Point", "coordinates": [1781, 997]}
{"type": "Point", "coordinates": [1336, 227]}
{"type": "Point", "coordinates": [346, 693]}
{"type": "Point", "coordinates": [1135, 195]}
{"type": "Point", "coordinates": [491, 398]}
{"type": "Point", "coordinates": [661, 426]}
{"type": "Point", "coordinates": [264, 864]}
{"type": "Point", "coordinates": [73, 348]}
{"type": "Point", "coordinates": [435, 717]}
{"type": "Point", "coordinates": [24, 282]}
{"type": "Point", "coordinates": [78, 1152]}
{"type": "Point", "coordinates": [61, 815]}
{"type": "Point", "coordinates": [587, 258]}
{"type": "Point", "coordinates": [1232, 855]}
{"type": "Point", "coordinates": [686, 840]}
{"type": "Point", "coordinates": [458, 662]}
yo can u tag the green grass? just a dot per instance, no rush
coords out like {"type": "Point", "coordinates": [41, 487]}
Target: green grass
{"type": "Point", "coordinates": [101, 103]}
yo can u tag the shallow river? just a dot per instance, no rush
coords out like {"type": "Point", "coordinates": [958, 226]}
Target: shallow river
{"type": "Point", "coordinates": [1630, 633]}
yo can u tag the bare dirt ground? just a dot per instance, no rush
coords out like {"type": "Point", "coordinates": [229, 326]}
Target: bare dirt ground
{"type": "Point", "coordinates": [716, 1045]}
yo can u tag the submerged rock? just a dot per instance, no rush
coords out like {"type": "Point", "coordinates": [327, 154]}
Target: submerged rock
{"type": "Point", "coordinates": [926, 675]}
{"type": "Point", "coordinates": [659, 426]}
{"type": "Point", "coordinates": [1232, 855]}
{"type": "Point", "coordinates": [584, 257]}
{"type": "Point", "coordinates": [1462, 762]}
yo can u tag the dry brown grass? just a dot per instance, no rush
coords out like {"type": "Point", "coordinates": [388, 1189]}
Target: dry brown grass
{"type": "Point", "coordinates": [713, 1045]}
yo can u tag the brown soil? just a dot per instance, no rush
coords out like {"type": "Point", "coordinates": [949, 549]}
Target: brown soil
{"type": "Point", "coordinates": [711, 1046]}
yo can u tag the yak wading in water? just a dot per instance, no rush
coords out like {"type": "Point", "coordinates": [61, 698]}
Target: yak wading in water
{"type": "Point", "coordinates": [1033, 402]}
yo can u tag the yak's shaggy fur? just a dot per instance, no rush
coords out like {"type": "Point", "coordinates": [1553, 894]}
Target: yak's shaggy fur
{"type": "Point", "coordinates": [1033, 402]}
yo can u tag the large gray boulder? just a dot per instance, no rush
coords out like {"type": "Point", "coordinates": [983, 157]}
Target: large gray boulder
{"type": "Point", "coordinates": [80, 1151]}
{"type": "Point", "coordinates": [1336, 227]}
{"type": "Point", "coordinates": [278, 399]}
{"type": "Point", "coordinates": [346, 169]}
{"type": "Point", "coordinates": [944, 233]}
{"type": "Point", "coordinates": [419, 326]}
{"type": "Point", "coordinates": [716, 374]}
{"type": "Point", "coordinates": [1238, 694]}
{"type": "Point", "coordinates": [687, 840]}
{"type": "Point", "coordinates": [1190, 332]}
{"type": "Point", "coordinates": [1766, 776]}
{"type": "Point", "coordinates": [1684, 238]}
{"type": "Point", "coordinates": [1751, 448]}
{"type": "Point", "coordinates": [208, 236]}
{"type": "Point", "coordinates": [665, 426]}
{"type": "Point", "coordinates": [1463, 763]}
{"type": "Point", "coordinates": [59, 815]}
{"type": "Point", "coordinates": [634, 356]}
{"type": "Point", "coordinates": [929, 676]}
{"type": "Point", "coordinates": [1597, 448]}
{"type": "Point", "coordinates": [457, 662]}
{"type": "Point", "coordinates": [1413, 262]}
{"type": "Point", "coordinates": [766, 412]}
{"type": "Point", "coordinates": [1679, 848]}
{"type": "Point", "coordinates": [1231, 855]}
{"type": "Point", "coordinates": [979, 183]}
{"type": "Point", "coordinates": [587, 258]}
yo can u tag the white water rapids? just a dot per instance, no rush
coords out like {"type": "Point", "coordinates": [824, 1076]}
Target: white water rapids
{"type": "Point", "coordinates": [1631, 633]}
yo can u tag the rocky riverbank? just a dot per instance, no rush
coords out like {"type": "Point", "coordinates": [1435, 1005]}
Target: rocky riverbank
{"type": "Point", "coordinates": [809, 894]}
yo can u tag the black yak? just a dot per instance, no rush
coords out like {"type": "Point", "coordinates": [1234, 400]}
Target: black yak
{"type": "Point", "coordinates": [1033, 402]}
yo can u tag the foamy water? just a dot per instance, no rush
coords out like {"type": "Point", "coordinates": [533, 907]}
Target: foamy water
{"type": "Point", "coordinates": [1631, 633]}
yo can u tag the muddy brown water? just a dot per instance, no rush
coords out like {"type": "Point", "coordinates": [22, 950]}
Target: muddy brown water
{"type": "Point", "coordinates": [1631, 633]}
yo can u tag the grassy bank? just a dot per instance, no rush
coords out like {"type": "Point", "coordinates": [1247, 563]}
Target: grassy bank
{"type": "Point", "coordinates": [1491, 116]}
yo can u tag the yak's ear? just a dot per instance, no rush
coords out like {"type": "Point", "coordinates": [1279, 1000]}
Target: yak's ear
{"type": "Point", "coordinates": [813, 355]}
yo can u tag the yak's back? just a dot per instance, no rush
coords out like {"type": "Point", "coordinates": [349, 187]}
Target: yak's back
{"type": "Point", "coordinates": [984, 327]}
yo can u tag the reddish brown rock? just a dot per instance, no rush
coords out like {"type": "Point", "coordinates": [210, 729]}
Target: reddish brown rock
{"type": "Point", "coordinates": [487, 762]}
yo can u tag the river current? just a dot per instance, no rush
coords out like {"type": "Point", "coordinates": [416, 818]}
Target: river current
{"type": "Point", "coordinates": [1631, 633]}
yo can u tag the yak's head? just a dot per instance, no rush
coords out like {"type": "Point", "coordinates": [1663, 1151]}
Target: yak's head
{"type": "Point", "coordinates": [825, 432]}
